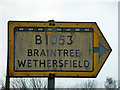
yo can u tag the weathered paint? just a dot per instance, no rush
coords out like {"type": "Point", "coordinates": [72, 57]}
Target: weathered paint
{"type": "Point", "coordinates": [86, 37]}
{"type": "Point", "coordinates": [64, 51]}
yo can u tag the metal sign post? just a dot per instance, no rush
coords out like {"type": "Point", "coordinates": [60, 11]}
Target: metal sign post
{"type": "Point", "coordinates": [7, 84]}
{"type": "Point", "coordinates": [51, 81]}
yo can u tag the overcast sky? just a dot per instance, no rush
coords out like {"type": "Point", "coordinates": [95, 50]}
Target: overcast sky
{"type": "Point", "coordinates": [103, 12]}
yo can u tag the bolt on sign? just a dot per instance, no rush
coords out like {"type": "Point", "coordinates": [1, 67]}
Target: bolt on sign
{"type": "Point", "coordinates": [67, 49]}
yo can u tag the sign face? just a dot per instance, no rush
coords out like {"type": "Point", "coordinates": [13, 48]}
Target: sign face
{"type": "Point", "coordinates": [65, 49]}
{"type": "Point", "coordinates": [53, 51]}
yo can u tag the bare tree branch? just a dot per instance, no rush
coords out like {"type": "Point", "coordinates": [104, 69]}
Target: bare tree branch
{"type": "Point", "coordinates": [110, 83]}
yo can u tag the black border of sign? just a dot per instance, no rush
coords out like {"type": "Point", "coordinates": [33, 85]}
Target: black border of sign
{"type": "Point", "coordinates": [7, 71]}
{"type": "Point", "coordinates": [92, 31]}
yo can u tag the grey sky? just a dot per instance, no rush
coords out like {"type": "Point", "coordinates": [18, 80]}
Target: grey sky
{"type": "Point", "coordinates": [104, 12]}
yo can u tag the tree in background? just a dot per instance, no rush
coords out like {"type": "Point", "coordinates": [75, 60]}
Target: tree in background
{"type": "Point", "coordinates": [2, 84]}
{"type": "Point", "coordinates": [37, 83]}
{"type": "Point", "coordinates": [87, 85]}
{"type": "Point", "coordinates": [33, 83]}
{"type": "Point", "coordinates": [110, 83]}
{"type": "Point", "coordinates": [29, 83]}
{"type": "Point", "coordinates": [18, 83]}
{"type": "Point", "coordinates": [24, 84]}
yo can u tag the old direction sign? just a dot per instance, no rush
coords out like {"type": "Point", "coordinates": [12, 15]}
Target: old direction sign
{"type": "Point", "coordinates": [67, 49]}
